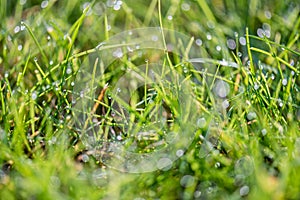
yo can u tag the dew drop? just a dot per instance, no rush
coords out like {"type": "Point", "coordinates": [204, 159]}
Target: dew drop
{"type": "Point", "coordinates": [118, 53]}
{"type": "Point", "coordinates": [236, 34]}
{"type": "Point", "coordinates": [267, 33]}
{"type": "Point", "coordinates": [256, 86]}
{"type": "Point", "coordinates": [201, 122]}
{"type": "Point", "coordinates": [208, 36]}
{"type": "Point", "coordinates": [197, 194]}
{"type": "Point", "coordinates": [117, 7]}
{"type": "Point", "coordinates": [210, 24]}
{"type": "Point", "coordinates": [22, 27]}
{"type": "Point", "coordinates": [218, 48]}
{"type": "Point", "coordinates": [164, 164]}
{"type": "Point", "coordinates": [225, 104]}
{"type": "Point", "coordinates": [231, 44]}
{"type": "Point", "coordinates": [119, 137]}
{"type": "Point", "coordinates": [17, 29]}
{"type": "Point", "coordinates": [292, 63]}
{"type": "Point", "coordinates": [69, 70]}
{"type": "Point", "coordinates": [221, 88]}
{"type": "Point", "coordinates": [119, 90]}
{"type": "Point", "coordinates": [217, 165]}
{"type": "Point", "coordinates": [198, 42]}
{"type": "Point", "coordinates": [170, 17]}
{"type": "Point", "coordinates": [85, 158]}
{"type": "Point", "coordinates": [44, 4]}
{"type": "Point", "coordinates": [20, 47]}
{"type": "Point", "coordinates": [292, 73]}
{"type": "Point", "coordinates": [266, 26]}
{"type": "Point", "coordinates": [264, 132]}
{"type": "Point", "coordinates": [251, 116]}
{"type": "Point", "coordinates": [272, 76]}
{"type": "Point", "coordinates": [260, 32]}
{"type": "Point", "coordinates": [33, 96]}
{"type": "Point", "coordinates": [22, 2]}
{"type": "Point", "coordinates": [154, 38]}
{"type": "Point", "coordinates": [244, 190]}
{"type": "Point", "coordinates": [185, 7]}
{"type": "Point", "coordinates": [185, 70]}
{"type": "Point", "coordinates": [108, 27]}
{"type": "Point", "coordinates": [179, 153]}
{"type": "Point", "coordinates": [268, 14]}
{"type": "Point", "coordinates": [187, 181]}
{"type": "Point", "coordinates": [239, 54]}
{"type": "Point", "coordinates": [242, 41]}
{"type": "Point", "coordinates": [284, 82]}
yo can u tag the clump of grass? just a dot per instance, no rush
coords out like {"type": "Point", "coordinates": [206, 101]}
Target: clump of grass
{"type": "Point", "coordinates": [247, 139]}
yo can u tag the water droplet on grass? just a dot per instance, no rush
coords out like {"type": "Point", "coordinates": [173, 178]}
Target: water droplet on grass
{"type": "Point", "coordinates": [217, 165]}
{"type": "Point", "coordinates": [272, 76]}
{"type": "Point", "coordinates": [239, 54]}
{"type": "Point", "coordinates": [164, 164]}
{"type": "Point", "coordinates": [22, 2]}
{"type": "Point", "coordinates": [117, 7]}
{"type": "Point", "coordinates": [17, 29]}
{"type": "Point", "coordinates": [210, 24]}
{"type": "Point", "coordinates": [179, 153]}
{"type": "Point", "coordinates": [268, 14]}
{"type": "Point", "coordinates": [118, 53]}
{"type": "Point", "coordinates": [221, 88]}
{"type": "Point", "coordinates": [225, 104]}
{"type": "Point", "coordinates": [185, 70]}
{"type": "Point", "coordinates": [208, 36]}
{"type": "Point", "coordinates": [198, 42]}
{"type": "Point", "coordinates": [264, 132]}
{"type": "Point", "coordinates": [69, 70]}
{"type": "Point", "coordinates": [244, 190]}
{"type": "Point", "coordinates": [185, 6]}
{"type": "Point", "coordinates": [256, 86]}
{"type": "Point", "coordinates": [170, 17]}
{"type": "Point", "coordinates": [34, 96]}
{"type": "Point", "coordinates": [44, 4]}
{"type": "Point", "coordinates": [218, 48]}
{"type": "Point", "coordinates": [85, 158]}
{"type": "Point", "coordinates": [231, 44]}
{"type": "Point", "coordinates": [284, 82]}
{"type": "Point", "coordinates": [154, 38]}
{"type": "Point", "coordinates": [197, 194]}
{"type": "Point", "coordinates": [20, 47]}
{"type": "Point", "coordinates": [242, 41]}
{"type": "Point", "coordinates": [292, 73]}
{"type": "Point", "coordinates": [251, 116]}
{"type": "Point", "coordinates": [187, 181]}
{"type": "Point", "coordinates": [280, 104]}
{"type": "Point", "coordinates": [260, 32]}
{"type": "Point", "coordinates": [108, 28]}
{"type": "Point", "coordinates": [201, 122]}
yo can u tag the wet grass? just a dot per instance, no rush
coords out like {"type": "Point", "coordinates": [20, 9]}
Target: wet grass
{"type": "Point", "coordinates": [245, 86]}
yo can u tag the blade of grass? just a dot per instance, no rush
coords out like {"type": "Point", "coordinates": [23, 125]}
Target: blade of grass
{"type": "Point", "coordinates": [276, 57]}
{"type": "Point", "coordinates": [36, 41]}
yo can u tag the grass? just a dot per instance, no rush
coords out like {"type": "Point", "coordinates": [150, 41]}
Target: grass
{"type": "Point", "coordinates": [227, 97]}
